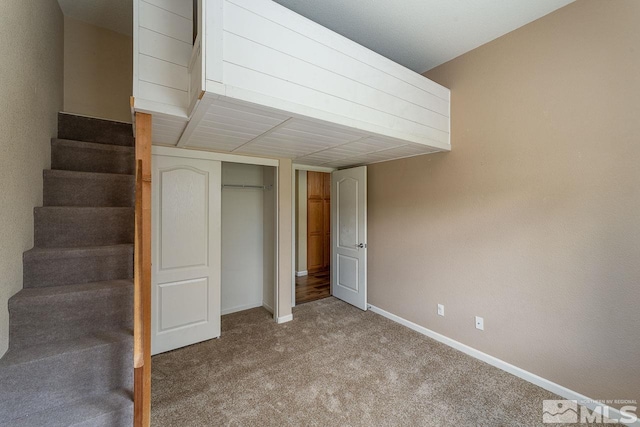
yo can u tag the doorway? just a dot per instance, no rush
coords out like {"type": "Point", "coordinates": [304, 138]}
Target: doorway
{"type": "Point", "coordinates": [248, 246]}
{"type": "Point", "coordinates": [313, 236]}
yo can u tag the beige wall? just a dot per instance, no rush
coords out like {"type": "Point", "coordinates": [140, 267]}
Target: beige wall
{"type": "Point", "coordinates": [98, 71]}
{"type": "Point", "coordinates": [301, 220]}
{"type": "Point", "coordinates": [269, 240]}
{"type": "Point", "coordinates": [285, 237]}
{"type": "Point", "coordinates": [533, 220]}
{"type": "Point", "coordinates": [31, 95]}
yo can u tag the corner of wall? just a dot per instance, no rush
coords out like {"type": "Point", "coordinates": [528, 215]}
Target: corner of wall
{"type": "Point", "coordinates": [33, 87]}
{"type": "Point", "coordinates": [285, 238]}
{"type": "Point", "coordinates": [98, 71]}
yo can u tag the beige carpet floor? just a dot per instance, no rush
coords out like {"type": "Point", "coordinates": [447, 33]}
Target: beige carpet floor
{"type": "Point", "coordinates": [333, 365]}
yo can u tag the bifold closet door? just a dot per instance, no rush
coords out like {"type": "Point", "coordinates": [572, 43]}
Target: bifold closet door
{"type": "Point", "coordinates": [186, 207]}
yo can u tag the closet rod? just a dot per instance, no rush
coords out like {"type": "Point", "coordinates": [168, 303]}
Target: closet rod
{"type": "Point", "coordinates": [258, 187]}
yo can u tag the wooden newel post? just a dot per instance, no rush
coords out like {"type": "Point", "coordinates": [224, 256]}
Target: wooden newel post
{"type": "Point", "coordinates": [142, 274]}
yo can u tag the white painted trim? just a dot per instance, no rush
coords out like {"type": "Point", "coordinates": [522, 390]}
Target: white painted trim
{"type": "Point", "coordinates": [191, 153]}
{"type": "Point", "coordinates": [154, 107]}
{"type": "Point", "coordinates": [302, 273]}
{"type": "Point", "coordinates": [199, 110]}
{"type": "Point", "coordinates": [213, 39]}
{"type": "Point", "coordinates": [500, 364]}
{"type": "Point", "coordinates": [136, 49]}
{"type": "Point", "coordinates": [276, 258]}
{"type": "Point", "coordinates": [284, 319]}
{"type": "Point", "coordinates": [240, 308]}
{"type": "Point", "coordinates": [297, 167]}
{"type": "Point", "coordinates": [294, 242]}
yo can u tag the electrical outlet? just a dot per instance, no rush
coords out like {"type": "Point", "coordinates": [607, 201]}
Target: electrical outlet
{"type": "Point", "coordinates": [479, 323]}
{"type": "Point", "coordinates": [440, 310]}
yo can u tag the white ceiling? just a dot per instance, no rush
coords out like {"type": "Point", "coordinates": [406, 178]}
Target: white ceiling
{"type": "Point", "coordinates": [419, 34]}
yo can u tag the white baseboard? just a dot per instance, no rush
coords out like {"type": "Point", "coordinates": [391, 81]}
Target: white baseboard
{"type": "Point", "coordinates": [267, 307]}
{"type": "Point", "coordinates": [301, 273]}
{"type": "Point", "coordinates": [285, 319]}
{"type": "Point", "coordinates": [507, 367]}
{"type": "Point", "coordinates": [239, 308]}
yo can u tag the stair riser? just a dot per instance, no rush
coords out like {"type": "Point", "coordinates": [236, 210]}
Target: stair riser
{"type": "Point", "coordinates": [121, 418]}
{"type": "Point", "coordinates": [89, 192]}
{"type": "Point", "coordinates": [53, 381]}
{"type": "Point", "coordinates": [90, 160]}
{"type": "Point", "coordinates": [94, 130]}
{"type": "Point", "coordinates": [68, 316]}
{"type": "Point", "coordinates": [40, 273]}
{"type": "Point", "coordinates": [63, 228]}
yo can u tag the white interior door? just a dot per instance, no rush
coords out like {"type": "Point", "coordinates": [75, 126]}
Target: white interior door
{"type": "Point", "coordinates": [185, 252]}
{"type": "Point", "coordinates": [349, 236]}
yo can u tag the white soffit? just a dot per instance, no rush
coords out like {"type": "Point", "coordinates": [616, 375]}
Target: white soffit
{"type": "Point", "coordinates": [422, 34]}
{"type": "Point", "coordinates": [240, 128]}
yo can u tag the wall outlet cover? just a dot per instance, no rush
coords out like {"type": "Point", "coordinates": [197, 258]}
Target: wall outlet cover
{"type": "Point", "coordinates": [440, 310]}
{"type": "Point", "coordinates": [479, 323]}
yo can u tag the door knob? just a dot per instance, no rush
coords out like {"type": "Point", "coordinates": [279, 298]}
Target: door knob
{"type": "Point", "coordinates": [361, 245]}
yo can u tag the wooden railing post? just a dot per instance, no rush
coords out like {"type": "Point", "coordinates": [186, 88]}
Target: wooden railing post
{"type": "Point", "coordinates": [142, 275]}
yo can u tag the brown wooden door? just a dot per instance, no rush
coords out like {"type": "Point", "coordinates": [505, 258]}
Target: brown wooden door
{"type": "Point", "coordinates": [318, 221]}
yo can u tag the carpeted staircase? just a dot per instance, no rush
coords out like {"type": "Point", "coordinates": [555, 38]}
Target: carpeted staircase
{"type": "Point", "coordinates": [70, 360]}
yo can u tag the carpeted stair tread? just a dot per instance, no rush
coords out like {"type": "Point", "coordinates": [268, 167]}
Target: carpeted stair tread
{"type": "Point", "coordinates": [71, 126]}
{"type": "Point", "coordinates": [62, 253]}
{"type": "Point", "coordinates": [25, 296]}
{"type": "Point", "coordinates": [64, 266]}
{"type": "Point", "coordinates": [113, 409]}
{"type": "Point", "coordinates": [84, 156]}
{"type": "Point", "coordinates": [45, 376]}
{"type": "Point", "coordinates": [73, 188]}
{"type": "Point", "coordinates": [83, 226]}
{"type": "Point", "coordinates": [27, 355]}
{"type": "Point", "coordinates": [74, 143]}
{"type": "Point", "coordinates": [40, 315]}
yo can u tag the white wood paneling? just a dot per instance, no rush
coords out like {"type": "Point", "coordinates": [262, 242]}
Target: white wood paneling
{"type": "Point", "coordinates": [310, 29]}
{"type": "Point", "coordinates": [162, 52]}
{"type": "Point", "coordinates": [183, 8]}
{"type": "Point", "coordinates": [272, 62]}
{"type": "Point", "coordinates": [254, 27]}
{"type": "Point", "coordinates": [277, 58]}
{"type": "Point", "coordinates": [168, 74]}
{"type": "Point", "coordinates": [165, 22]}
{"type": "Point", "coordinates": [195, 74]}
{"type": "Point", "coordinates": [280, 86]}
{"type": "Point", "coordinates": [162, 94]}
{"type": "Point", "coordinates": [343, 110]}
{"type": "Point", "coordinates": [164, 47]}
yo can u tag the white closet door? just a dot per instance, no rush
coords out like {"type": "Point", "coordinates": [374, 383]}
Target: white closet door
{"type": "Point", "coordinates": [186, 252]}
